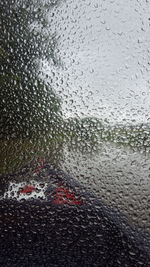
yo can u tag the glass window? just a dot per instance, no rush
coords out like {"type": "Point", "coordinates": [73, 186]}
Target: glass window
{"type": "Point", "coordinates": [74, 133]}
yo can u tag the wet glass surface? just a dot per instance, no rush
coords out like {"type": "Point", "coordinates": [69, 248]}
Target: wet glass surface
{"type": "Point", "coordinates": [75, 126]}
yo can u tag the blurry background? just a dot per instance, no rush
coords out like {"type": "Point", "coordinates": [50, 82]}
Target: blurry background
{"type": "Point", "coordinates": [74, 89]}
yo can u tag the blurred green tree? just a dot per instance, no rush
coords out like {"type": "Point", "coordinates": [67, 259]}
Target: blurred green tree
{"type": "Point", "coordinates": [29, 106]}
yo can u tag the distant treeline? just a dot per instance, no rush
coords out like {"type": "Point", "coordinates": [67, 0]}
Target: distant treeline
{"type": "Point", "coordinates": [92, 130]}
{"type": "Point", "coordinates": [135, 136]}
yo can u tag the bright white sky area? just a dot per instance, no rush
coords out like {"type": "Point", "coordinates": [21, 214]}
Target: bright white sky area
{"type": "Point", "coordinates": [104, 47]}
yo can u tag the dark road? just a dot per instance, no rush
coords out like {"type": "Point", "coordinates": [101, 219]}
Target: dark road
{"type": "Point", "coordinates": [69, 227]}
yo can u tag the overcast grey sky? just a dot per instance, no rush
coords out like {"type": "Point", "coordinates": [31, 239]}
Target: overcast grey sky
{"type": "Point", "coordinates": [105, 49]}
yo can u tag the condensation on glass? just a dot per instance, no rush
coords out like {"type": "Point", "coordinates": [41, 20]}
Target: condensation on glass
{"type": "Point", "coordinates": [74, 132]}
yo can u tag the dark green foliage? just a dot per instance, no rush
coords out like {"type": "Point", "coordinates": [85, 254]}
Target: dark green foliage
{"type": "Point", "coordinates": [84, 128]}
{"type": "Point", "coordinates": [28, 105]}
